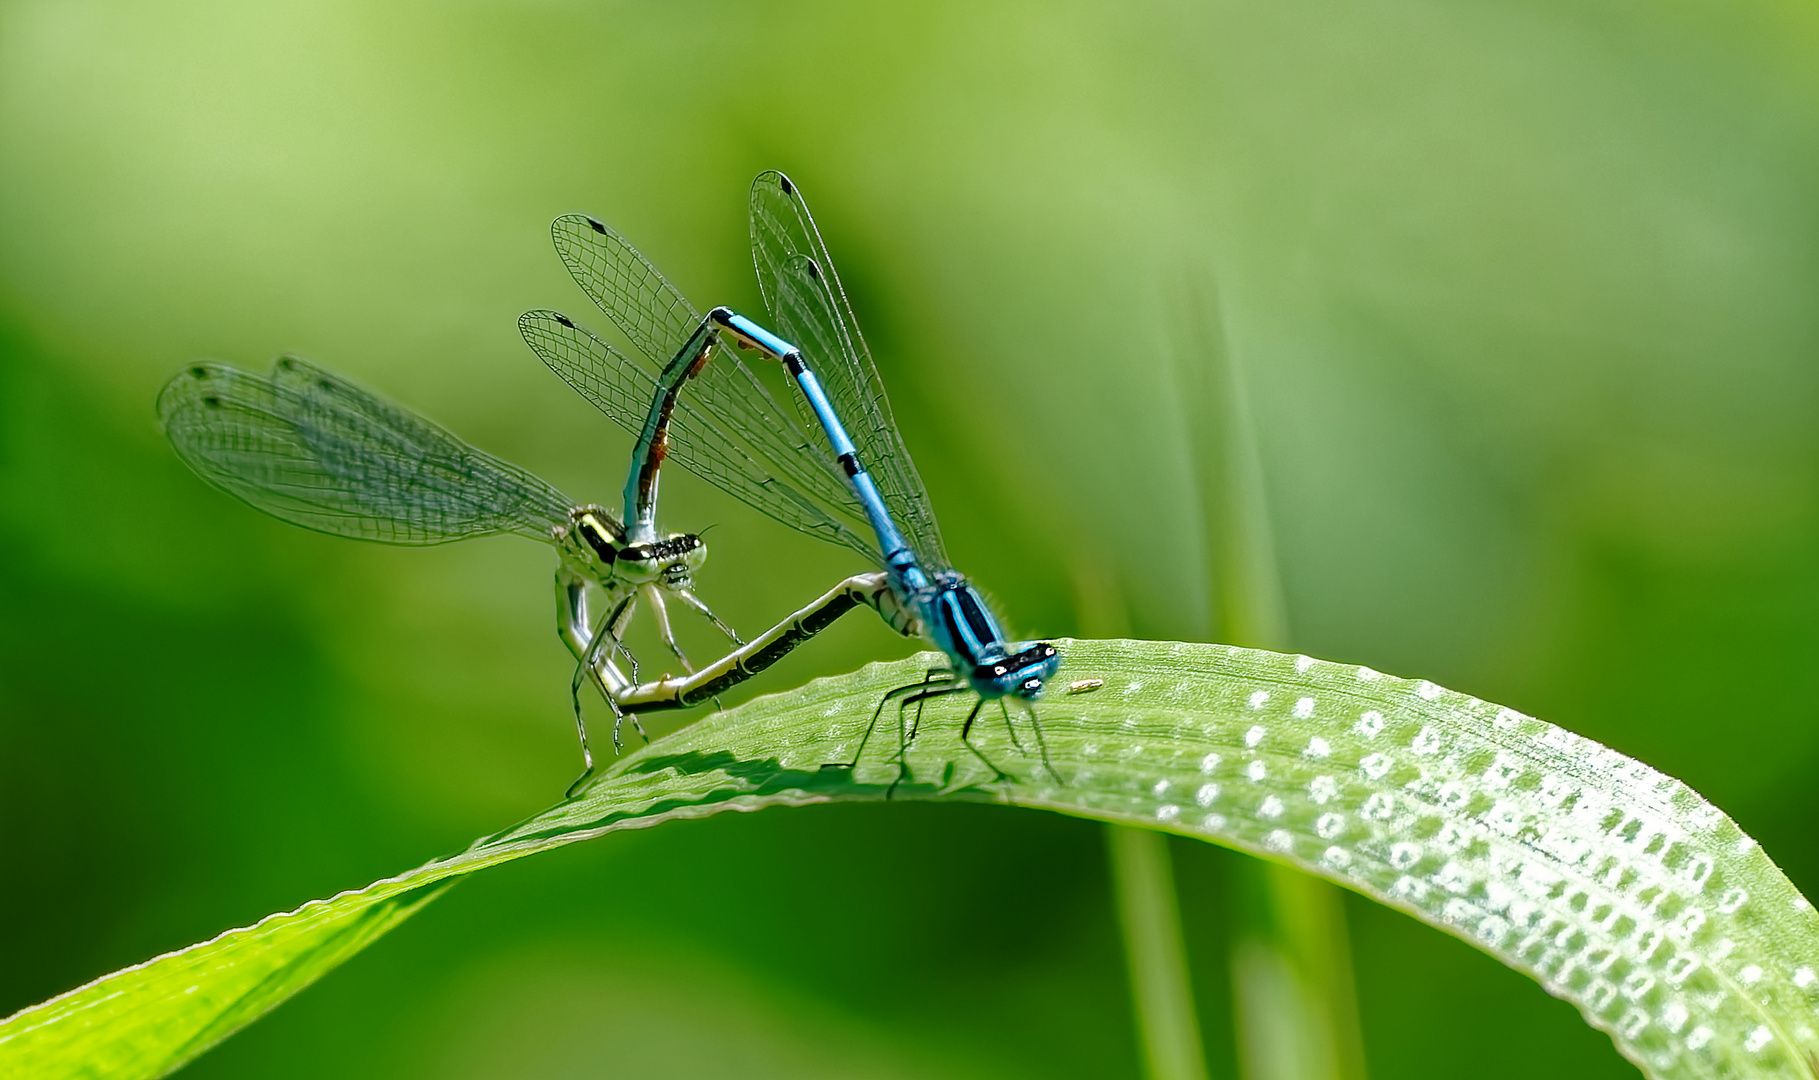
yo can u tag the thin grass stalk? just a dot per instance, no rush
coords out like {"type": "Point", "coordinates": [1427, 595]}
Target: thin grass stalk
{"type": "Point", "coordinates": [1291, 964]}
{"type": "Point", "coordinates": [1149, 914]}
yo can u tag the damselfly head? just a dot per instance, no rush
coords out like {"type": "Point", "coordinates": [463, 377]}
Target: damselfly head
{"type": "Point", "coordinates": [1021, 675]}
{"type": "Point", "coordinates": [671, 561]}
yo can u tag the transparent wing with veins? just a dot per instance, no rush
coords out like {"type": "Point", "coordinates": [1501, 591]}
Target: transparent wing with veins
{"type": "Point", "coordinates": [727, 428]}
{"type": "Point", "coordinates": [809, 308]}
{"type": "Point", "coordinates": [318, 451]}
{"type": "Point", "coordinates": [622, 389]}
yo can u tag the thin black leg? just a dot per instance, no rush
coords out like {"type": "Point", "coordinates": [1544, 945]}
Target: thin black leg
{"type": "Point", "coordinates": [903, 738]}
{"type": "Point", "coordinates": [934, 675]}
{"type": "Point", "coordinates": [1042, 747]}
{"type": "Point", "coordinates": [967, 729]}
{"type": "Point", "coordinates": [1008, 726]}
{"type": "Point", "coordinates": [927, 690]}
{"type": "Point", "coordinates": [918, 700]}
{"type": "Point", "coordinates": [876, 713]}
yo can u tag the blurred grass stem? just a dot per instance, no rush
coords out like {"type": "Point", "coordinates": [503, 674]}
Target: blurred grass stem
{"type": "Point", "coordinates": [1150, 916]}
{"type": "Point", "coordinates": [1292, 986]}
{"type": "Point", "coordinates": [1143, 889]}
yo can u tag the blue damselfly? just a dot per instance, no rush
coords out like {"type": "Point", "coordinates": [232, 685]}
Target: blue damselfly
{"type": "Point", "coordinates": [744, 442]}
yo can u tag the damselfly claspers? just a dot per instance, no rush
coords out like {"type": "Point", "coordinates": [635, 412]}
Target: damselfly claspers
{"type": "Point", "coordinates": [314, 449]}
{"type": "Point", "coordinates": [742, 441]}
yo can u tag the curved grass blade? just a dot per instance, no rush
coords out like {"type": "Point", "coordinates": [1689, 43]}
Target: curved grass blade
{"type": "Point", "coordinates": [802, 291]}
{"type": "Point", "coordinates": [1617, 888]}
{"type": "Point", "coordinates": [313, 449]}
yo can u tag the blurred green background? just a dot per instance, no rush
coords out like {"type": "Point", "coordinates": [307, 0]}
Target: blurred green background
{"type": "Point", "coordinates": [1524, 291]}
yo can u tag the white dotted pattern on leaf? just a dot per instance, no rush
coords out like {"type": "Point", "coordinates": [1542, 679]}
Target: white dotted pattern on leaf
{"type": "Point", "coordinates": [1617, 888]}
{"type": "Point", "coordinates": [1614, 886]}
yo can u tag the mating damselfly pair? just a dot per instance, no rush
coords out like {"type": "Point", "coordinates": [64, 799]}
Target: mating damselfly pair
{"type": "Point", "coordinates": [316, 450]}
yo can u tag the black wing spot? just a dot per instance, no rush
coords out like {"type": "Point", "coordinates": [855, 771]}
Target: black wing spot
{"type": "Point", "coordinates": [563, 319]}
{"type": "Point", "coordinates": [596, 226]}
{"type": "Point", "coordinates": [199, 372]}
{"type": "Point", "coordinates": [212, 401]}
{"type": "Point", "coordinates": [288, 363]}
{"type": "Point", "coordinates": [783, 182]}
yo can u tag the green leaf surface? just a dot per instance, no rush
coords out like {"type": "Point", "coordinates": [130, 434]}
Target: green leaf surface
{"type": "Point", "coordinates": [1614, 886]}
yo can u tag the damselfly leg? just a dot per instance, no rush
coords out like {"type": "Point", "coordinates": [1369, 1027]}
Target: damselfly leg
{"type": "Point", "coordinates": [942, 673]}
{"type": "Point", "coordinates": [1041, 745]}
{"type": "Point", "coordinates": [966, 728]}
{"type": "Point", "coordinates": [1035, 725]}
{"type": "Point", "coordinates": [695, 602]}
{"type": "Point", "coordinates": [938, 681]}
{"type": "Point", "coordinates": [660, 615]}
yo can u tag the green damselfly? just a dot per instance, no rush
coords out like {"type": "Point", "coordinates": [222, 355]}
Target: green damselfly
{"type": "Point", "coordinates": [316, 450]}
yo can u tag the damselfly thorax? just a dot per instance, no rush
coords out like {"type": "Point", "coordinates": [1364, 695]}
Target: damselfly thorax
{"type": "Point", "coordinates": [593, 546]}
